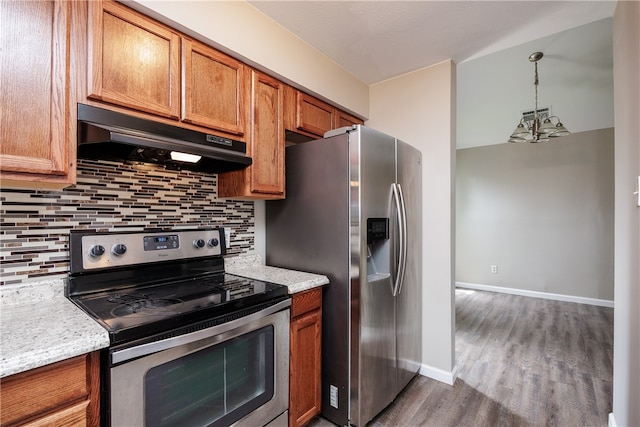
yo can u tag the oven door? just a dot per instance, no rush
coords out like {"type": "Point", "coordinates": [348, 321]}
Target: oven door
{"type": "Point", "coordinates": [236, 373]}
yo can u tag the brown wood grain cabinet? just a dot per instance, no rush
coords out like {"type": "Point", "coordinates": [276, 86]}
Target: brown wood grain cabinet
{"type": "Point", "coordinates": [215, 88]}
{"type": "Point", "coordinates": [312, 115]}
{"type": "Point", "coordinates": [138, 63]}
{"type": "Point", "coordinates": [305, 357]}
{"type": "Point", "coordinates": [309, 116]}
{"type": "Point", "coordinates": [264, 179]}
{"type": "Point", "coordinates": [37, 121]}
{"type": "Point", "coordinates": [343, 119]}
{"type": "Point", "coordinates": [133, 61]}
{"type": "Point", "coordinates": [65, 393]}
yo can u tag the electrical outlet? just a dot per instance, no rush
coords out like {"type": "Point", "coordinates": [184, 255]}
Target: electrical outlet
{"type": "Point", "coordinates": [494, 269]}
{"type": "Point", "coordinates": [333, 396]}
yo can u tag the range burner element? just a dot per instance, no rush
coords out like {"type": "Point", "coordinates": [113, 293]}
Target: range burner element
{"type": "Point", "coordinates": [143, 304]}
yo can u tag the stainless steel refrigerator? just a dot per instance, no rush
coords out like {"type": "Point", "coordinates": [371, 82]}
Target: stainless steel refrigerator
{"type": "Point", "coordinates": [353, 213]}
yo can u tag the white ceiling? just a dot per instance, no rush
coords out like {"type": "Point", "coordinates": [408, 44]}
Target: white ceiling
{"type": "Point", "coordinates": [378, 40]}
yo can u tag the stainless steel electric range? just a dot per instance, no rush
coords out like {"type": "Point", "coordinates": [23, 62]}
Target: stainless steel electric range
{"type": "Point", "coordinates": [190, 345]}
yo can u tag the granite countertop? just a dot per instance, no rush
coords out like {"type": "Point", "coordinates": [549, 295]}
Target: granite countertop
{"type": "Point", "coordinates": [39, 326]}
{"type": "Point", "coordinates": [251, 266]}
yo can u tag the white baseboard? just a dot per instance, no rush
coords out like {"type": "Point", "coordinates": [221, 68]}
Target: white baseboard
{"type": "Point", "coordinates": [438, 374]}
{"type": "Point", "coordinates": [535, 294]}
{"type": "Point", "coordinates": [612, 420]}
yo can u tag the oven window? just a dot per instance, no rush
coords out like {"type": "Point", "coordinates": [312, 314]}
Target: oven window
{"type": "Point", "coordinates": [215, 386]}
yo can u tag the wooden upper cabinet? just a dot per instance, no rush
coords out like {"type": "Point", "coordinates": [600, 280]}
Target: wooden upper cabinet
{"type": "Point", "coordinates": [215, 88]}
{"type": "Point", "coordinates": [267, 135]}
{"type": "Point", "coordinates": [345, 119]}
{"type": "Point", "coordinates": [313, 115]}
{"type": "Point", "coordinates": [35, 123]}
{"type": "Point", "coordinates": [134, 62]}
{"type": "Point", "coordinates": [264, 179]}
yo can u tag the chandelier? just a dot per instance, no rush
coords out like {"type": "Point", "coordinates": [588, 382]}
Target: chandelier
{"type": "Point", "coordinates": [539, 126]}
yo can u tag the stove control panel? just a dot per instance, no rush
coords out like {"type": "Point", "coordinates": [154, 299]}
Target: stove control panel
{"type": "Point", "coordinates": [104, 250]}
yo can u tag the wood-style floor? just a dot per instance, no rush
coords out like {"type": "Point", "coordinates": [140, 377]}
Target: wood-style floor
{"type": "Point", "coordinates": [521, 362]}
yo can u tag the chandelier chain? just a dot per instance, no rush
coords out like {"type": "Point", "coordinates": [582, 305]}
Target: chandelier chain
{"type": "Point", "coordinates": [535, 82]}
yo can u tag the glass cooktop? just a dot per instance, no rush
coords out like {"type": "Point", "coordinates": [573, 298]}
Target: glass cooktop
{"type": "Point", "coordinates": [133, 313]}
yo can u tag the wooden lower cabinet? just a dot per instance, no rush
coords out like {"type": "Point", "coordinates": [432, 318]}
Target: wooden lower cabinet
{"type": "Point", "coordinates": [305, 357]}
{"type": "Point", "coordinates": [65, 393]}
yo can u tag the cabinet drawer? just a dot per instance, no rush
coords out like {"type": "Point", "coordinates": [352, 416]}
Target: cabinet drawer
{"type": "Point", "coordinates": [43, 390]}
{"type": "Point", "coordinates": [306, 301]}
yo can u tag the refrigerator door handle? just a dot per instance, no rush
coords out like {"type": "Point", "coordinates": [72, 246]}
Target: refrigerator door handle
{"type": "Point", "coordinates": [403, 240]}
{"type": "Point", "coordinates": [401, 236]}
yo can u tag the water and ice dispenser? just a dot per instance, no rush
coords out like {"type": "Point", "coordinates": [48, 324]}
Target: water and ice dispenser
{"type": "Point", "coordinates": [378, 247]}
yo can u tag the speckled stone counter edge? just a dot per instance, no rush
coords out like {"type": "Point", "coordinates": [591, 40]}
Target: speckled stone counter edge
{"type": "Point", "coordinates": [39, 326]}
{"type": "Point", "coordinates": [251, 266]}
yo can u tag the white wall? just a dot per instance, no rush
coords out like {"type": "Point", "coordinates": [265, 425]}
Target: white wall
{"type": "Point", "coordinates": [239, 29]}
{"type": "Point", "coordinates": [626, 338]}
{"type": "Point", "coordinates": [419, 108]}
{"type": "Point", "coordinates": [542, 213]}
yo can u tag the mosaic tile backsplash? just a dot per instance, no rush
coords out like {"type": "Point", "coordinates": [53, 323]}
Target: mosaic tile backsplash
{"type": "Point", "coordinates": [110, 196]}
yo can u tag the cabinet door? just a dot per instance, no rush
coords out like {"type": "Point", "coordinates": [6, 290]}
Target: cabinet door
{"type": "Point", "coordinates": [34, 130]}
{"type": "Point", "coordinates": [133, 61]}
{"type": "Point", "coordinates": [264, 179]}
{"type": "Point", "coordinates": [63, 393]}
{"type": "Point", "coordinates": [267, 135]}
{"type": "Point", "coordinates": [305, 368]}
{"type": "Point", "coordinates": [215, 89]}
{"type": "Point", "coordinates": [312, 115]}
{"type": "Point", "coordinates": [345, 119]}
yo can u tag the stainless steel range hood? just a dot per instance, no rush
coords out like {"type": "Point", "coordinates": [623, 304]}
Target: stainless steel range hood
{"type": "Point", "coordinates": [108, 135]}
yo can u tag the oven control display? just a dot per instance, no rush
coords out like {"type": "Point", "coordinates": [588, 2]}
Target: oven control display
{"type": "Point", "coordinates": [157, 243]}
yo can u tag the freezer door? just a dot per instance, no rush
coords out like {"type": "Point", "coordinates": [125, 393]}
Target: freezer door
{"type": "Point", "coordinates": [373, 358]}
{"type": "Point", "coordinates": [409, 298]}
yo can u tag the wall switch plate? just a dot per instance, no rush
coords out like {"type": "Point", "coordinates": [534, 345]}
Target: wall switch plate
{"type": "Point", "coordinates": [494, 269]}
{"type": "Point", "coordinates": [227, 237]}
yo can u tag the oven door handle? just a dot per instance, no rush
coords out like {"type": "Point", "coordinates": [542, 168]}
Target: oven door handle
{"type": "Point", "coordinates": [123, 355]}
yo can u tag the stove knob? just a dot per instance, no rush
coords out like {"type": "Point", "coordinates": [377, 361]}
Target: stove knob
{"type": "Point", "coordinates": [198, 243]}
{"type": "Point", "coordinates": [119, 249]}
{"type": "Point", "coordinates": [213, 242]}
{"type": "Point", "coordinates": [96, 251]}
